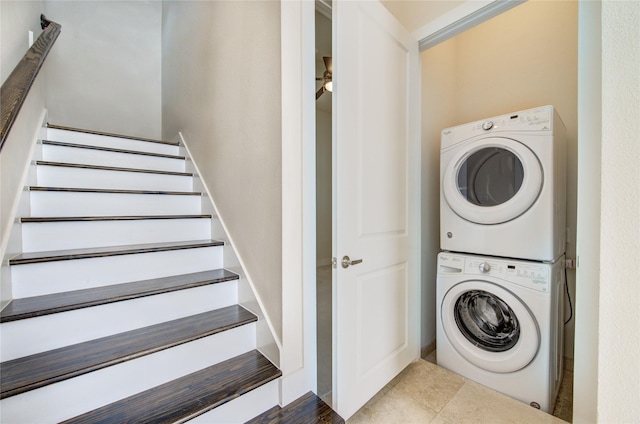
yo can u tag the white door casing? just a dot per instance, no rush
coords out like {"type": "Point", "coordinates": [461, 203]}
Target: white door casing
{"type": "Point", "coordinates": [376, 189]}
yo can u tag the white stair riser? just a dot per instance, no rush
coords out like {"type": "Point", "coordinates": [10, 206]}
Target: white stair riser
{"type": "Point", "coordinates": [61, 203]}
{"type": "Point", "coordinates": [64, 154]}
{"type": "Point", "coordinates": [107, 141]}
{"type": "Point", "coordinates": [60, 276]}
{"type": "Point", "coordinates": [43, 236]}
{"type": "Point", "coordinates": [244, 408]}
{"type": "Point", "coordinates": [34, 335]}
{"type": "Point", "coordinates": [59, 176]}
{"type": "Point", "coordinates": [69, 398]}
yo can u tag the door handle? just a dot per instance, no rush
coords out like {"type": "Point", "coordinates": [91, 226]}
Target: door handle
{"type": "Point", "coordinates": [346, 261]}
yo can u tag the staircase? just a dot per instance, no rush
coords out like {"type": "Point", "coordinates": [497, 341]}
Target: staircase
{"type": "Point", "coordinates": [122, 309]}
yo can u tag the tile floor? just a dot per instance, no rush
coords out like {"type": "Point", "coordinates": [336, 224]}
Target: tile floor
{"type": "Point", "coordinates": [425, 393]}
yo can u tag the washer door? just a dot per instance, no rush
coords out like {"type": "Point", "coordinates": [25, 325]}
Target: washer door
{"type": "Point", "coordinates": [493, 181]}
{"type": "Point", "coordinates": [490, 326]}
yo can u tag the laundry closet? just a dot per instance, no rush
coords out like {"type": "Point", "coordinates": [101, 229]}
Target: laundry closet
{"type": "Point", "coordinates": [524, 58]}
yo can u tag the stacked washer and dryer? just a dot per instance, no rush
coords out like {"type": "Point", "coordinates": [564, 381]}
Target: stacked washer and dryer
{"type": "Point", "coordinates": [500, 276]}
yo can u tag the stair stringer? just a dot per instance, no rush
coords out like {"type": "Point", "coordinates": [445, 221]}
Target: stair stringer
{"type": "Point", "coordinates": [11, 237]}
{"type": "Point", "coordinates": [266, 341]}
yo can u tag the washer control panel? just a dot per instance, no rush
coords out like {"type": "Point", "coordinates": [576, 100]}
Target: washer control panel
{"type": "Point", "coordinates": [525, 274]}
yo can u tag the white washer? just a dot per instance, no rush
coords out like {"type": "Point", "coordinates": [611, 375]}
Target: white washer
{"type": "Point", "coordinates": [500, 323]}
{"type": "Point", "coordinates": [503, 186]}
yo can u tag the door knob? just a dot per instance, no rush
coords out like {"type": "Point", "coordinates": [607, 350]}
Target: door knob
{"type": "Point", "coordinates": [346, 261]}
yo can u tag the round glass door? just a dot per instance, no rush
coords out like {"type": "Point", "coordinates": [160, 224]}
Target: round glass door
{"type": "Point", "coordinates": [487, 321]}
{"type": "Point", "coordinates": [489, 326]}
{"type": "Point", "coordinates": [490, 176]}
{"type": "Point", "coordinates": [492, 181]}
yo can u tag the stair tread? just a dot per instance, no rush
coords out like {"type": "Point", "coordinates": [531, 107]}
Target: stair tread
{"type": "Point", "coordinates": [110, 149]}
{"type": "Point", "coordinates": [25, 220]}
{"type": "Point", "coordinates": [38, 370]}
{"type": "Point", "coordinates": [96, 252]}
{"type": "Point", "coordinates": [31, 307]}
{"type": "Point", "coordinates": [109, 190]}
{"type": "Point", "coordinates": [309, 408]}
{"type": "Point", "coordinates": [107, 134]}
{"type": "Point", "coordinates": [189, 396]}
{"type": "Point", "coordinates": [112, 168]}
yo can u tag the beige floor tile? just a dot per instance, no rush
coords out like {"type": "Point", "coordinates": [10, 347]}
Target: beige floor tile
{"type": "Point", "coordinates": [564, 403]}
{"type": "Point", "coordinates": [476, 404]}
{"type": "Point", "coordinates": [428, 384]}
{"type": "Point", "coordinates": [392, 406]}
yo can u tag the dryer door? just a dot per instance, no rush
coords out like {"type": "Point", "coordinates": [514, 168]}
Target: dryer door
{"type": "Point", "coordinates": [490, 326]}
{"type": "Point", "coordinates": [492, 181]}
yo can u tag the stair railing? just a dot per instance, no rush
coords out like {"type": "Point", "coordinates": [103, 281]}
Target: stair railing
{"type": "Point", "coordinates": [15, 89]}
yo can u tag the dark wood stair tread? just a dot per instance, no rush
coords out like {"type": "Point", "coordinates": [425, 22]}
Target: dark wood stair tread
{"type": "Point", "coordinates": [189, 396]}
{"type": "Point", "coordinates": [113, 191]}
{"type": "Point", "coordinates": [34, 371]}
{"type": "Point", "coordinates": [110, 149]}
{"type": "Point", "coordinates": [107, 134]}
{"type": "Point", "coordinates": [308, 409]}
{"type": "Point", "coordinates": [31, 307]}
{"type": "Point", "coordinates": [112, 168]}
{"type": "Point", "coordinates": [99, 252]}
{"type": "Point", "coordinates": [42, 219]}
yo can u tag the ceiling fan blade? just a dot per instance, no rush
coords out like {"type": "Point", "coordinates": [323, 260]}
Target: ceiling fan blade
{"type": "Point", "coordinates": [320, 91]}
{"type": "Point", "coordinates": [328, 63]}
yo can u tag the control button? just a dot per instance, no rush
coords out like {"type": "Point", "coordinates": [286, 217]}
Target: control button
{"type": "Point", "coordinates": [487, 125]}
{"type": "Point", "coordinates": [485, 267]}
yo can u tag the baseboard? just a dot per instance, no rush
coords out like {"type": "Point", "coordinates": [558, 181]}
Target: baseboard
{"type": "Point", "coordinates": [426, 350]}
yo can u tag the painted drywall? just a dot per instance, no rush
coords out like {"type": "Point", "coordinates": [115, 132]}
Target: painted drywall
{"type": "Point", "coordinates": [414, 14]}
{"type": "Point", "coordinates": [619, 343]}
{"type": "Point", "coordinates": [505, 64]}
{"type": "Point", "coordinates": [439, 81]}
{"type": "Point", "coordinates": [105, 73]}
{"type": "Point", "coordinates": [17, 18]}
{"type": "Point", "coordinates": [221, 89]}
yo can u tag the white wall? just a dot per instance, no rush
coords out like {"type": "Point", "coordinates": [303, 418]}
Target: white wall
{"type": "Point", "coordinates": [17, 18]}
{"type": "Point", "coordinates": [222, 91]}
{"type": "Point", "coordinates": [105, 72]}
{"type": "Point", "coordinates": [502, 65]}
{"type": "Point", "coordinates": [607, 370]}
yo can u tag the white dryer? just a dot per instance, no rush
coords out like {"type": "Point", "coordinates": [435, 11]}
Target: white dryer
{"type": "Point", "coordinates": [500, 323]}
{"type": "Point", "coordinates": [503, 186]}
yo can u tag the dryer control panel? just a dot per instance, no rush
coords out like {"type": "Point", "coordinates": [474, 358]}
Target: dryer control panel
{"type": "Point", "coordinates": [539, 119]}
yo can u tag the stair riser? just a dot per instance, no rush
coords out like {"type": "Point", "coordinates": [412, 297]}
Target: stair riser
{"type": "Point", "coordinates": [35, 335]}
{"type": "Point", "coordinates": [59, 176]}
{"type": "Point", "coordinates": [64, 400]}
{"type": "Point", "coordinates": [51, 203]}
{"type": "Point", "coordinates": [60, 276]}
{"type": "Point", "coordinates": [242, 409]}
{"type": "Point", "coordinates": [98, 157]}
{"type": "Point", "coordinates": [113, 142]}
{"type": "Point", "coordinates": [43, 236]}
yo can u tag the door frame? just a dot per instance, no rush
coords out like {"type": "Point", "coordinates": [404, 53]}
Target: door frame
{"type": "Point", "coordinates": [298, 355]}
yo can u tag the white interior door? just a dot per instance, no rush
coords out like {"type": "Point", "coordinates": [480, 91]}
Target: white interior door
{"type": "Point", "coordinates": [376, 159]}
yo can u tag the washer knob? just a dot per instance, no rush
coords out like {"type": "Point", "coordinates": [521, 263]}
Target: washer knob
{"type": "Point", "coordinates": [485, 267]}
{"type": "Point", "coordinates": [487, 125]}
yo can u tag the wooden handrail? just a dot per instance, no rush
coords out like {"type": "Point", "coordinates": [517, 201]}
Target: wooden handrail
{"type": "Point", "coordinates": [15, 89]}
